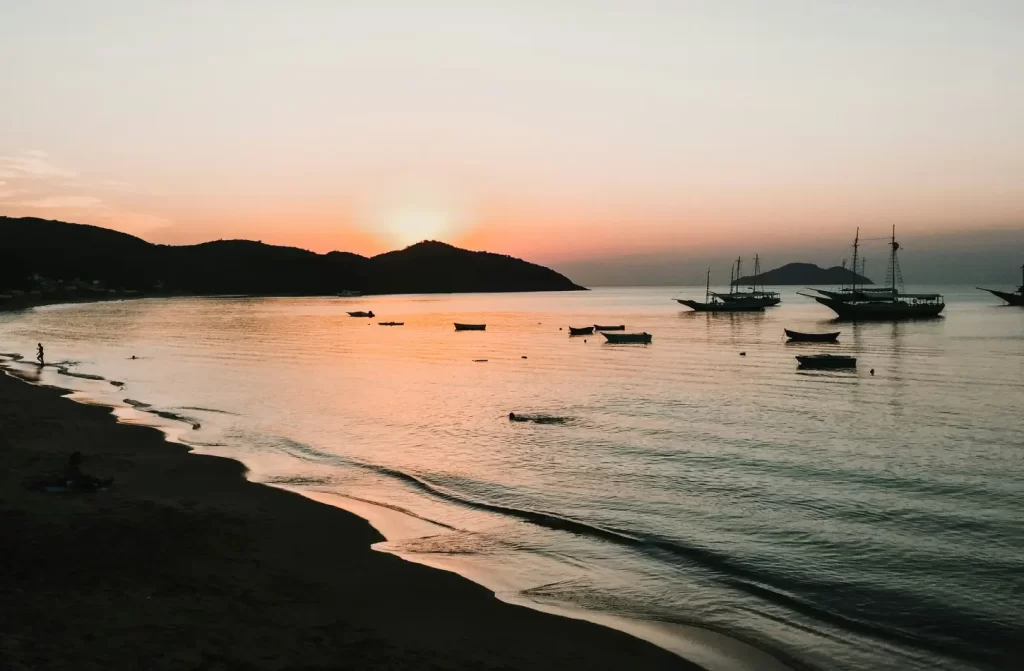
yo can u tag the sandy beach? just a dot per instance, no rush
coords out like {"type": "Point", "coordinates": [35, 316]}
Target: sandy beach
{"type": "Point", "coordinates": [184, 564]}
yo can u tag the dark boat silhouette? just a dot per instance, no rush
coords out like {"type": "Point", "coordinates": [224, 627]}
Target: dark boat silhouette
{"type": "Point", "coordinates": [715, 303]}
{"type": "Point", "coordinates": [361, 314]}
{"type": "Point", "coordinates": [391, 323]}
{"type": "Point", "coordinates": [628, 338]}
{"type": "Point", "coordinates": [797, 336]}
{"type": "Point", "coordinates": [1014, 298]}
{"type": "Point", "coordinates": [583, 330]}
{"type": "Point", "coordinates": [753, 295]}
{"type": "Point", "coordinates": [620, 327]}
{"type": "Point", "coordinates": [827, 361]}
{"type": "Point", "coordinates": [890, 303]}
{"type": "Point", "coordinates": [470, 327]}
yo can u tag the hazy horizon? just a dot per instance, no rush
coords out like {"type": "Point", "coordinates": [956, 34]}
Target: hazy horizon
{"type": "Point", "coordinates": [588, 137]}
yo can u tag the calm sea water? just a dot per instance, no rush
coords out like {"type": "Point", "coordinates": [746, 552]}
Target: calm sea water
{"type": "Point", "coordinates": [841, 520]}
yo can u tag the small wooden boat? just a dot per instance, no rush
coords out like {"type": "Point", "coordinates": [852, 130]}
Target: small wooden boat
{"type": "Point", "coordinates": [827, 361]}
{"type": "Point", "coordinates": [628, 338]}
{"type": "Point", "coordinates": [583, 330]}
{"type": "Point", "coordinates": [361, 314]}
{"type": "Point", "coordinates": [391, 323]}
{"type": "Point", "coordinates": [797, 336]}
{"type": "Point", "coordinates": [620, 327]}
{"type": "Point", "coordinates": [470, 327]}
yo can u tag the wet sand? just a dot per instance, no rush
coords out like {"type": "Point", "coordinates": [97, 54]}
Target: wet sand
{"type": "Point", "coordinates": [184, 564]}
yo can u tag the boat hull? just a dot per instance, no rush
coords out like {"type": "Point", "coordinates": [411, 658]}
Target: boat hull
{"type": "Point", "coordinates": [470, 327]}
{"type": "Point", "coordinates": [881, 310]}
{"type": "Point", "coordinates": [1010, 298]}
{"type": "Point", "coordinates": [628, 338]}
{"type": "Point", "coordinates": [766, 299]}
{"type": "Point", "coordinates": [584, 330]}
{"type": "Point", "coordinates": [620, 327]}
{"type": "Point", "coordinates": [797, 336]}
{"type": "Point", "coordinates": [868, 295]}
{"type": "Point", "coordinates": [827, 362]}
{"type": "Point", "coordinates": [733, 306]}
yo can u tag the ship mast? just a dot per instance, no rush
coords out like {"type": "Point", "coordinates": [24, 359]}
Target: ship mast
{"type": "Point", "coordinates": [707, 289]}
{"type": "Point", "coordinates": [739, 273]}
{"type": "Point", "coordinates": [892, 260]}
{"type": "Point", "coordinates": [757, 271]}
{"type": "Point", "coordinates": [856, 245]}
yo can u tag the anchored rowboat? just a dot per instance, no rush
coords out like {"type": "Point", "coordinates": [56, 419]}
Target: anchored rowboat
{"type": "Point", "coordinates": [797, 336]}
{"type": "Point", "coordinates": [827, 361]}
{"type": "Point", "coordinates": [628, 338]}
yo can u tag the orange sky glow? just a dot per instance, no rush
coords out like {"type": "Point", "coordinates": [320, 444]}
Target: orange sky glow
{"type": "Point", "coordinates": [586, 130]}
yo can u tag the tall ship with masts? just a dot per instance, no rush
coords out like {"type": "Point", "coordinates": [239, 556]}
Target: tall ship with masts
{"type": "Point", "coordinates": [1013, 298]}
{"type": "Point", "coordinates": [713, 302]}
{"type": "Point", "coordinates": [889, 302]}
{"type": "Point", "coordinates": [749, 294]}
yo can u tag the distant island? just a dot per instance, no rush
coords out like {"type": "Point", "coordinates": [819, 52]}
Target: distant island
{"type": "Point", "coordinates": [53, 257]}
{"type": "Point", "coordinates": [804, 274]}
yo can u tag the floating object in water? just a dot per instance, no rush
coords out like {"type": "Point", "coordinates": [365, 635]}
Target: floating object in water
{"type": "Point", "coordinates": [797, 336]}
{"type": "Point", "coordinates": [884, 304]}
{"type": "Point", "coordinates": [116, 383]}
{"type": "Point", "coordinates": [479, 360]}
{"type": "Point", "coordinates": [620, 327]}
{"type": "Point", "coordinates": [827, 361]}
{"type": "Point", "coordinates": [537, 419]}
{"type": "Point", "coordinates": [730, 302]}
{"type": "Point", "coordinates": [470, 327]}
{"type": "Point", "coordinates": [628, 338]}
{"type": "Point", "coordinates": [582, 330]}
{"type": "Point", "coordinates": [872, 371]}
{"type": "Point", "coordinates": [361, 314]}
{"type": "Point", "coordinates": [391, 323]}
{"type": "Point", "coordinates": [743, 354]}
{"type": "Point", "coordinates": [523, 357]}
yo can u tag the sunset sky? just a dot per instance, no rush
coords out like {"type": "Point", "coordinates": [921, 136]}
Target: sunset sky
{"type": "Point", "coordinates": [556, 131]}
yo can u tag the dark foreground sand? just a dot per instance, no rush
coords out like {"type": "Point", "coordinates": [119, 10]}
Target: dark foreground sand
{"type": "Point", "coordinates": [186, 565]}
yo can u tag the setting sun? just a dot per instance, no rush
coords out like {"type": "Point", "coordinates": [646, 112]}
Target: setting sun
{"type": "Point", "coordinates": [410, 225]}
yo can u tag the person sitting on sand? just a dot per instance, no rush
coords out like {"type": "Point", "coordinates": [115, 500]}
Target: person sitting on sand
{"type": "Point", "coordinates": [75, 479]}
{"type": "Point", "coordinates": [73, 473]}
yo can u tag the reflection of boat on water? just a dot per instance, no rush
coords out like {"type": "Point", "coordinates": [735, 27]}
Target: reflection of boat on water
{"type": "Point", "coordinates": [752, 296]}
{"type": "Point", "coordinates": [361, 314]}
{"type": "Point", "coordinates": [628, 338]}
{"type": "Point", "coordinates": [470, 327]}
{"type": "Point", "coordinates": [583, 330]}
{"type": "Point", "coordinates": [887, 303]}
{"type": "Point", "coordinates": [797, 336]}
{"type": "Point", "coordinates": [620, 327]}
{"type": "Point", "coordinates": [1013, 298]}
{"type": "Point", "coordinates": [827, 361]}
{"type": "Point", "coordinates": [714, 303]}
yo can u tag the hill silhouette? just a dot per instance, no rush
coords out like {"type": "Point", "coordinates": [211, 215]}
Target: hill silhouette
{"type": "Point", "coordinates": [65, 252]}
{"type": "Point", "coordinates": [804, 273]}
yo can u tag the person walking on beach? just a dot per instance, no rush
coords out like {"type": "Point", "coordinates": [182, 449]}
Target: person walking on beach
{"type": "Point", "coordinates": [39, 353]}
